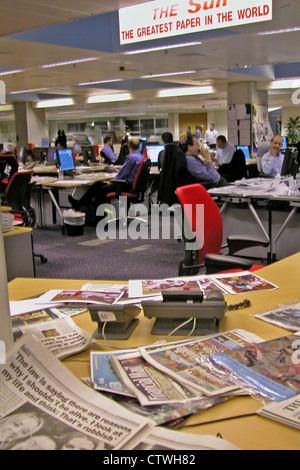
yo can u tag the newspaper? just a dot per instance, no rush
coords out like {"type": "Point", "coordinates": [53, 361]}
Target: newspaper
{"type": "Point", "coordinates": [286, 412]}
{"type": "Point", "coordinates": [75, 297]}
{"type": "Point", "coordinates": [187, 361]}
{"type": "Point", "coordinates": [45, 407]}
{"type": "Point", "coordinates": [270, 370]}
{"type": "Point", "coordinates": [286, 316]}
{"type": "Point", "coordinates": [149, 385]}
{"type": "Point", "coordinates": [243, 283]}
{"type": "Point", "coordinates": [61, 335]}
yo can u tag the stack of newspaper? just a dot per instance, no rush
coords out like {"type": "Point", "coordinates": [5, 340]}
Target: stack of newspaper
{"type": "Point", "coordinates": [286, 412]}
{"type": "Point", "coordinates": [44, 407]}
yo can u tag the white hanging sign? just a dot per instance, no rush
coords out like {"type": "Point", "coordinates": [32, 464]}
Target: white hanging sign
{"type": "Point", "coordinates": [165, 18]}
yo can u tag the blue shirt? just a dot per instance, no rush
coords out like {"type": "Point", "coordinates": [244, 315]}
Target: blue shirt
{"type": "Point", "coordinates": [130, 167]}
{"type": "Point", "coordinates": [109, 153]}
{"type": "Point", "coordinates": [202, 171]}
{"type": "Point", "coordinates": [272, 165]}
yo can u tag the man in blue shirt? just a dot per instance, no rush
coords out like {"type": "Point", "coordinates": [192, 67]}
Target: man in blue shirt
{"type": "Point", "coordinates": [107, 149]}
{"type": "Point", "coordinates": [272, 161]}
{"type": "Point", "coordinates": [100, 189]}
{"type": "Point", "coordinates": [225, 151]}
{"type": "Point", "coordinates": [200, 166]}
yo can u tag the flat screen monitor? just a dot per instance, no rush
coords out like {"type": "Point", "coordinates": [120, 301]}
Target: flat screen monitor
{"type": "Point", "coordinates": [153, 151]}
{"type": "Point", "coordinates": [284, 143]}
{"type": "Point", "coordinates": [40, 154]}
{"type": "Point", "coordinates": [88, 153]}
{"type": "Point", "coordinates": [66, 160]}
{"type": "Point", "coordinates": [290, 164]}
{"type": "Point", "coordinates": [51, 155]}
{"type": "Point", "coordinates": [245, 150]}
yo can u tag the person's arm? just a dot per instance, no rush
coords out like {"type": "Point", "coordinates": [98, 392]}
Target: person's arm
{"type": "Point", "coordinates": [126, 169]}
{"type": "Point", "coordinates": [202, 170]}
{"type": "Point", "coordinates": [268, 163]}
{"type": "Point", "coordinates": [109, 153]}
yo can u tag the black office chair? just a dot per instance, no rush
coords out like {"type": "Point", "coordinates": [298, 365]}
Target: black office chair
{"type": "Point", "coordinates": [236, 169]}
{"type": "Point", "coordinates": [11, 164]}
{"type": "Point", "coordinates": [105, 158]}
{"type": "Point", "coordinates": [17, 196]}
{"type": "Point", "coordinates": [139, 188]}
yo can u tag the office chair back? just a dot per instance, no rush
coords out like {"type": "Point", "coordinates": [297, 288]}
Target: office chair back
{"type": "Point", "coordinates": [17, 196]}
{"type": "Point", "coordinates": [105, 157]}
{"type": "Point", "coordinates": [140, 182]}
{"type": "Point", "coordinates": [11, 165]}
{"type": "Point", "coordinates": [207, 230]}
{"type": "Point", "coordinates": [236, 169]}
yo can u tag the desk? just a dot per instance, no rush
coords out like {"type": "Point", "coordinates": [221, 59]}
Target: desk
{"type": "Point", "coordinates": [19, 253]}
{"type": "Point", "coordinates": [254, 190]}
{"type": "Point", "coordinates": [247, 433]}
{"type": "Point", "coordinates": [73, 184]}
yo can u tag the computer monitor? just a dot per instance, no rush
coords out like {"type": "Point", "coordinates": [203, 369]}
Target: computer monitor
{"type": "Point", "coordinates": [153, 151]}
{"type": "Point", "coordinates": [40, 154]}
{"type": "Point", "coordinates": [51, 155]}
{"type": "Point", "coordinates": [89, 155]}
{"type": "Point", "coordinates": [245, 150]}
{"type": "Point", "coordinates": [284, 142]}
{"type": "Point", "coordinates": [290, 165]}
{"type": "Point", "coordinates": [66, 160]}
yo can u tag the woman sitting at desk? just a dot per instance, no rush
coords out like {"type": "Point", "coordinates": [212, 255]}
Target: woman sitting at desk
{"type": "Point", "coordinates": [272, 161]}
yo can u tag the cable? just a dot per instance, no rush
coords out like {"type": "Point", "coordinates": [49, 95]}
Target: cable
{"type": "Point", "coordinates": [219, 420]}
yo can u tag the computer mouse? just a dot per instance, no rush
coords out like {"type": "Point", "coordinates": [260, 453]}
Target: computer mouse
{"type": "Point", "coordinates": [215, 295]}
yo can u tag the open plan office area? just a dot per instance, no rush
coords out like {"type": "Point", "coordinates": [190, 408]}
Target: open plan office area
{"type": "Point", "coordinates": [126, 323]}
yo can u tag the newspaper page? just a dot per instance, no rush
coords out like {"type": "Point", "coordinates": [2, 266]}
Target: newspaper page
{"type": "Point", "coordinates": [285, 412]}
{"type": "Point", "coordinates": [61, 335]}
{"type": "Point", "coordinates": [166, 439]}
{"type": "Point", "coordinates": [79, 296]}
{"type": "Point", "coordinates": [187, 361]}
{"type": "Point", "coordinates": [270, 370]}
{"type": "Point", "coordinates": [150, 386]}
{"type": "Point", "coordinates": [43, 406]}
{"type": "Point", "coordinates": [243, 283]}
{"type": "Point", "coordinates": [286, 316]}
{"type": "Point", "coordinates": [124, 289]}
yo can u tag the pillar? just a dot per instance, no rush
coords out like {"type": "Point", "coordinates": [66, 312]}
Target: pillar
{"type": "Point", "coordinates": [31, 124]}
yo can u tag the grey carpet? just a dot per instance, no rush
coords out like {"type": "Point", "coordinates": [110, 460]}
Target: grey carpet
{"type": "Point", "coordinates": [86, 257]}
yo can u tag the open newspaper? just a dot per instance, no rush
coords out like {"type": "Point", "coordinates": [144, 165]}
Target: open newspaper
{"type": "Point", "coordinates": [186, 362]}
{"type": "Point", "coordinates": [45, 407]}
{"type": "Point", "coordinates": [286, 316]}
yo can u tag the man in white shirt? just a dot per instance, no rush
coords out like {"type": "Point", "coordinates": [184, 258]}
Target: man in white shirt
{"type": "Point", "coordinates": [225, 151]}
{"type": "Point", "coordinates": [211, 136]}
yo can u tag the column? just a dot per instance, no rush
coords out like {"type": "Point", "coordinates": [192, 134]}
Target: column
{"type": "Point", "coordinates": [31, 124]}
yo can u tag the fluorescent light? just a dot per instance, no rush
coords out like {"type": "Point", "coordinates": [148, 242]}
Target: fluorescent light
{"type": "Point", "coordinates": [285, 83]}
{"type": "Point", "coordinates": [279, 31]}
{"type": "Point", "coordinates": [101, 81]}
{"type": "Point", "coordinates": [201, 90]}
{"type": "Point", "coordinates": [11, 71]}
{"type": "Point", "coordinates": [109, 98]}
{"type": "Point", "coordinates": [162, 48]}
{"type": "Point", "coordinates": [27, 91]}
{"type": "Point", "coordinates": [168, 74]}
{"type": "Point", "coordinates": [68, 62]}
{"type": "Point", "coordinates": [54, 103]}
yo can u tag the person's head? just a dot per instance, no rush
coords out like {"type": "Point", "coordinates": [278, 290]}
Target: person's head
{"type": "Point", "coordinates": [212, 126]}
{"type": "Point", "coordinates": [221, 141]}
{"type": "Point", "coordinates": [133, 144]}
{"type": "Point", "coordinates": [192, 144]}
{"type": "Point", "coordinates": [107, 140]}
{"type": "Point", "coordinates": [167, 137]}
{"type": "Point", "coordinates": [276, 143]}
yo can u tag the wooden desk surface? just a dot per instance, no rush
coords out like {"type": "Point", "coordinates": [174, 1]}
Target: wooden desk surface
{"type": "Point", "coordinates": [252, 432]}
{"type": "Point", "coordinates": [17, 231]}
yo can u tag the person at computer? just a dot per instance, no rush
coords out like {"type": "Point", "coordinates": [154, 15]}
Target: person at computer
{"type": "Point", "coordinates": [211, 136]}
{"type": "Point", "coordinates": [167, 138]}
{"type": "Point", "coordinates": [100, 189]}
{"type": "Point", "coordinates": [199, 160]}
{"type": "Point", "coordinates": [272, 161]}
{"type": "Point", "coordinates": [225, 151]}
{"type": "Point", "coordinates": [107, 149]}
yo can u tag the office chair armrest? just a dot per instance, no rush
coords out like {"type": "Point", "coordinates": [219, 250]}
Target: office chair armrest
{"type": "Point", "coordinates": [216, 263]}
{"type": "Point", "coordinates": [238, 242]}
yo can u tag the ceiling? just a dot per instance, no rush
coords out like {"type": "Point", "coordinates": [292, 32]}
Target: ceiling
{"type": "Point", "coordinates": [39, 32]}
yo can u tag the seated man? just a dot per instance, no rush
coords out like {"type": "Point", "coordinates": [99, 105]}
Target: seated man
{"type": "Point", "coordinates": [200, 166]}
{"type": "Point", "coordinates": [107, 149]}
{"type": "Point", "coordinates": [100, 189]}
{"type": "Point", "coordinates": [225, 151]}
{"type": "Point", "coordinates": [272, 161]}
{"type": "Point", "coordinates": [167, 138]}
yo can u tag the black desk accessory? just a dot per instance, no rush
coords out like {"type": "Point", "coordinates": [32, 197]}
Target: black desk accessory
{"type": "Point", "coordinates": [177, 307]}
{"type": "Point", "coordinates": [114, 321]}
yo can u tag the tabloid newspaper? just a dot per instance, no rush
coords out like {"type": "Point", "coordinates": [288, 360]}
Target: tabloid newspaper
{"type": "Point", "coordinates": [45, 407]}
{"type": "Point", "coordinates": [285, 412]}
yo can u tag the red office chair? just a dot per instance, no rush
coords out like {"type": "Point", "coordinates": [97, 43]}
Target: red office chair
{"type": "Point", "coordinates": [139, 186]}
{"type": "Point", "coordinates": [203, 235]}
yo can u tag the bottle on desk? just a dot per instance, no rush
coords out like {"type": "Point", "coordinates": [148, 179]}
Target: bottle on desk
{"type": "Point", "coordinates": [60, 174]}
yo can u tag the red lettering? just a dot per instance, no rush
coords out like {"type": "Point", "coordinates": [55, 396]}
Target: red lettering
{"type": "Point", "coordinates": [196, 5]}
{"type": "Point", "coordinates": [206, 7]}
{"type": "Point", "coordinates": [158, 13]}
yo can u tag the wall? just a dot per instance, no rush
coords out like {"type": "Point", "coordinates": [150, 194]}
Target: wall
{"type": "Point", "coordinates": [192, 120]}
